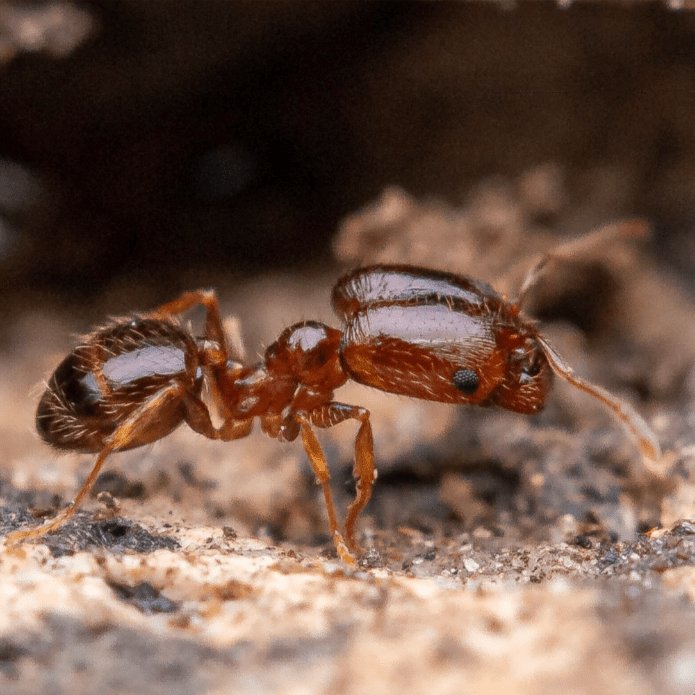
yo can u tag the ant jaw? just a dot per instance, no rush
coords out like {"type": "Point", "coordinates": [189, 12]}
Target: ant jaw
{"type": "Point", "coordinates": [624, 412]}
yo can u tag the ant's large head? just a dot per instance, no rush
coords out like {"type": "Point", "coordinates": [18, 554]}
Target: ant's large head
{"type": "Point", "coordinates": [528, 376]}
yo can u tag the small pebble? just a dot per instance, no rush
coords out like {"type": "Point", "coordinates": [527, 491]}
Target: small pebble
{"type": "Point", "coordinates": [471, 565]}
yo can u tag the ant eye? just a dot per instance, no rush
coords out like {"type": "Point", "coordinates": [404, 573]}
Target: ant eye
{"type": "Point", "coordinates": [533, 368]}
{"type": "Point", "coordinates": [466, 380]}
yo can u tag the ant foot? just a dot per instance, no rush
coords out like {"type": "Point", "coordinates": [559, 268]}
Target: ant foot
{"type": "Point", "coordinates": [342, 549]}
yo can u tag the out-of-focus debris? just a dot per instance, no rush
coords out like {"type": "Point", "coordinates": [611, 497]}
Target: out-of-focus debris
{"type": "Point", "coordinates": [55, 28]}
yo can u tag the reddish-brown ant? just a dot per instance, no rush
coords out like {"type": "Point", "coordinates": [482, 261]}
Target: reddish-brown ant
{"type": "Point", "coordinates": [407, 330]}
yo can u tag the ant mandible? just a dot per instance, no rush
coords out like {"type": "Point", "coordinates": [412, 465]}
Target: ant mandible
{"type": "Point", "coordinates": [411, 331]}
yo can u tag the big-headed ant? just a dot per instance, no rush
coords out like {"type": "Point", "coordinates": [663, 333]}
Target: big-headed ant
{"type": "Point", "coordinates": [410, 331]}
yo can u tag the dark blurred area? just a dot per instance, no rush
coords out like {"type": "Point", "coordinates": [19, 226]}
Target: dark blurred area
{"type": "Point", "coordinates": [140, 139]}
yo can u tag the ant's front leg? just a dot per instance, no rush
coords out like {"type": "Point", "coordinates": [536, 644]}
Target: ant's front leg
{"type": "Point", "coordinates": [318, 462]}
{"type": "Point", "coordinates": [363, 469]}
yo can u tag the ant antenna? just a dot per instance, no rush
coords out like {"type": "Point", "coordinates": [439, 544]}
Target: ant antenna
{"type": "Point", "coordinates": [625, 413]}
{"type": "Point", "coordinates": [628, 416]}
{"type": "Point", "coordinates": [615, 231]}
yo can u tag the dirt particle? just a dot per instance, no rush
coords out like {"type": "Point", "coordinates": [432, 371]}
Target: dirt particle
{"type": "Point", "coordinates": [144, 597]}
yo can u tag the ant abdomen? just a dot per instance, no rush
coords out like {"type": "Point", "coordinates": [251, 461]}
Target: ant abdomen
{"type": "Point", "coordinates": [115, 371]}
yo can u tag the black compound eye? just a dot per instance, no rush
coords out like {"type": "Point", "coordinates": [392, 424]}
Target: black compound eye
{"type": "Point", "coordinates": [466, 381]}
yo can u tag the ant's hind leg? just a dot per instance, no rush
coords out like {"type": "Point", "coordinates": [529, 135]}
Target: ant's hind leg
{"type": "Point", "coordinates": [214, 329]}
{"type": "Point", "coordinates": [126, 434]}
{"type": "Point", "coordinates": [213, 357]}
{"type": "Point", "coordinates": [57, 521]}
{"type": "Point", "coordinates": [197, 417]}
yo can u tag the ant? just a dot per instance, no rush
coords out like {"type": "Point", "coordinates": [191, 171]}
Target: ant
{"type": "Point", "coordinates": [406, 330]}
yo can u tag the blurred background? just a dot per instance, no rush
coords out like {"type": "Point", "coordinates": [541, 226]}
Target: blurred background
{"type": "Point", "coordinates": [167, 144]}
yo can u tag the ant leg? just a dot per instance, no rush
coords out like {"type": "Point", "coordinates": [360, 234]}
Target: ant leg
{"type": "Point", "coordinates": [125, 435]}
{"type": "Point", "coordinates": [323, 477]}
{"type": "Point", "coordinates": [197, 417]}
{"type": "Point", "coordinates": [363, 469]}
{"type": "Point", "coordinates": [213, 357]}
{"type": "Point", "coordinates": [36, 532]}
{"type": "Point", "coordinates": [188, 300]}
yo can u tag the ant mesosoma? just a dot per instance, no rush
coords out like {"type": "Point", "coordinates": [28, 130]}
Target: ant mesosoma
{"type": "Point", "coordinates": [411, 331]}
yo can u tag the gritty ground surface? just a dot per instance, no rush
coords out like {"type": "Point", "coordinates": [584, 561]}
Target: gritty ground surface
{"type": "Point", "coordinates": [502, 553]}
